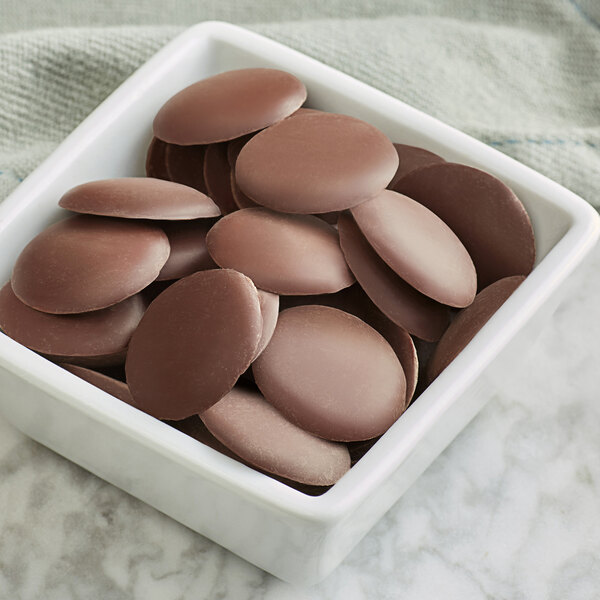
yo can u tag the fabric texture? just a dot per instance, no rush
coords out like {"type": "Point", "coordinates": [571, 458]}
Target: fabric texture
{"type": "Point", "coordinates": [521, 76]}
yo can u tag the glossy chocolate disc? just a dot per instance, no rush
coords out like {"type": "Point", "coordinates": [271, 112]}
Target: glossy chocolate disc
{"type": "Point", "coordinates": [411, 158]}
{"type": "Point", "coordinates": [188, 249]}
{"type": "Point", "coordinates": [228, 105]}
{"type": "Point", "coordinates": [469, 321]}
{"type": "Point", "coordinates": [217, 176]}
{"type": "Point", "coordinates": [281, 253]}
{"type": "Point", "coordinates": [193, 343]}
{"type": "Point", "coordinates": [92, 335]}
{"type": "Point", "coordinates": [331, 374]}
{"type": "Point", "coordinates": [156, 165]}
{"type": "Point", "coordinates": [316, 163]}
{"type": "Point", "coordinates": [139, 198]}
{"type": "Point", "coordinates": [419, 247]}
{"type": "Point", "coordinates": [257, 432]}
{"type": "Point", "coordinates": [483, 212]}
{"type": "Point", "coordinates": [400, 302]}
{"type": "Point", "coordinates": [269, 308]}
{"type": "Point", "coordinates": [87, 263]}
{"type": "Point", "coordinates": [111, 386]}
{"type": "Point", "coordinates": [185, 164]}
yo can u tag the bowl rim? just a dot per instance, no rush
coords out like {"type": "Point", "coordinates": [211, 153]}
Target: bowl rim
{"type": "Point", "coordinates": [401, 439]}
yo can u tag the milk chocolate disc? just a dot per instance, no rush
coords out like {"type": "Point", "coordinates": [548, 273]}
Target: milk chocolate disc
{"type": "Point", "coordinates": [469, 321]}
{"type": "Point", "coordinates": [96, 335]}
{"type": "Point", "coordinates": [193, 343]}
{"type": "Point", "coordinates": [269, 308]}
{"type": "Point", "coordinates": [188, 249]}
{"type": "Point", "coordinates": [218, 179]}
{"type": "Point", "coordinates": [419, 247]}
{"type": "Point", "coordinates": [228, 105]}
{"type": "Point", "coordinates": [411, 158]}
{"type": "Point", "coordinates": [185, 164]}
{"type": "Point", "coordinates": [156, 165]}
{"type": "Point", "coordinates": [240, 199]}
{"type": "Point", "coordinates": [256, 431]}
{"type": "Point", "coordinates": [139, 198]}
{"type": "Point", "coordinates": [316, 163]}
{"type": "Point", "coordinates": [281, 253]}
{"type": "Point", "coordinates": [353, 300]}
{"type": "Point", "coordinates": [331, 374]}
{"type": "Point", "coordinates": [483, 212]}
{"type": "Point", "coordinates": [87, 263]}
{"type": "Point", "coordinates": [111, 386]}
{"type": "Point", "coordinates": [400, 302]}
{"type": "Point", "coordinates": [195, 428]}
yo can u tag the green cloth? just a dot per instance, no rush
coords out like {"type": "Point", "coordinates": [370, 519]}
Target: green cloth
{"type": "Point", "coordinates": [520, 75]}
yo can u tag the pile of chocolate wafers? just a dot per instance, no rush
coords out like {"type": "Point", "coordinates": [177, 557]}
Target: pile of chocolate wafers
{"type": "Point", "coordinates": [273, 284]}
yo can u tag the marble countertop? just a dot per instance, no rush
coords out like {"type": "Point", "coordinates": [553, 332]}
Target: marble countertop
{"type": "Point", "coordinates": [511, 510]}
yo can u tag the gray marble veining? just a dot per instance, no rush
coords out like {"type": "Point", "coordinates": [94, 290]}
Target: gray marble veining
{"type": "Point", "coordinates": [511, 510]}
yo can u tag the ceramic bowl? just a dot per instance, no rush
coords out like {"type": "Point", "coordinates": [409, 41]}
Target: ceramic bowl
{"type": "Point", "coordinates": [298, 538]}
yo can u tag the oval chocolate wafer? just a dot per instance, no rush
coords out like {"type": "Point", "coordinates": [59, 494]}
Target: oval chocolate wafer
{"type": "Point", "coordinates": [281, 253]}
{"type": "Point", "coordinates": [401, 303]}
{"type": "Point", "coordinates": [193, 343]}
{"type": "Point", "coordinates": [87, 263]}
{"type": "Point", "coordinates": [257, 432]}
{"type": "Point", "coordinates": [484, 213]}
{"type": "Point", "coordinates": [94, 338]}
{"type": "Point", "coordinates": [228, 105]}
{"type": "Point", "coordinates": [139, 198]}
{"type": "Point", "coordinates": [469, 321]}
{"type": "Point", "coordinates": [331, 374]}
{"type": "Point", "coordinates": [419, 247]}
{"type": "Point", "coordinates": [316, 163]}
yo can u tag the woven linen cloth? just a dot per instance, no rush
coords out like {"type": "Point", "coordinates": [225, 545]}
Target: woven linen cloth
{"type": "Point", "coordinates": [521, 76]}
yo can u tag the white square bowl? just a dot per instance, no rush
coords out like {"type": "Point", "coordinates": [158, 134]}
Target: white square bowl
{"type": "Point", "coordinates": [296, 537]}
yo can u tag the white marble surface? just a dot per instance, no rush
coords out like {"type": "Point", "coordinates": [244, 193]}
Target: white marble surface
{"type": "Point", "coordinates": [511, 510]}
